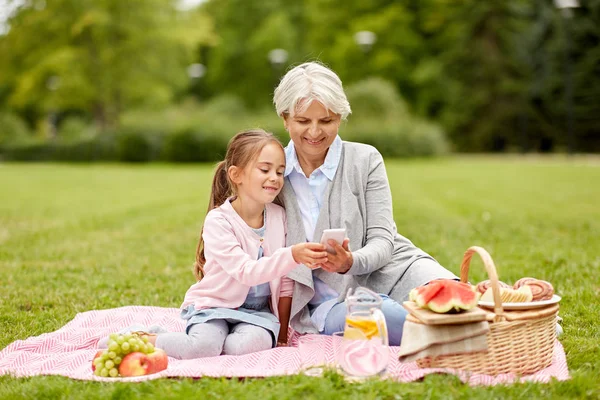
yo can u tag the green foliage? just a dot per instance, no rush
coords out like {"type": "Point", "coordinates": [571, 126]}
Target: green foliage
{"type": "Point", "coordinates": [390, 57]}
{"type": "Point", "coordinates": [97, 148]}
{"type": "Point", "coordinates": [193, 133]}
{"type": "Point", "coordinates": [74, 129]}
{"type": "Point", "coordinates": [185, 146]}
{"type": "Point", "coordinates": [192, 146]}
{"type": "Point", "coordinates": [189, 132]}
{"type": "Point", "coordinates": [493, 74]}
{"type": "Point", "coordinates": [68, 247]}
{"type": "Point", "coordinates": [99, 57]}
{"type": "Point", "coordinates": [404, 138]}
{"type": "Point", "coordinates": [248, 31]}
{"type": "Point", "coordinates": [380, 118]}
{"type": "Point", "coordinates": [12, 129]}
{"type": "Point", "coordinates": [137, 146]}
{"type": "Point", "coordinates": [376, 98]}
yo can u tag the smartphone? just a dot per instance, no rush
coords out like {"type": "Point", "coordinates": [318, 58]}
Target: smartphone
{"type": "Point", "coordinates": [336, 234]}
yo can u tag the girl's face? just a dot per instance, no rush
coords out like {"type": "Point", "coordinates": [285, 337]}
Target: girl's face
{"type": "Point", "coordinates": [313, 130]}
{"type": "Point", "coordinates": [262, 179]}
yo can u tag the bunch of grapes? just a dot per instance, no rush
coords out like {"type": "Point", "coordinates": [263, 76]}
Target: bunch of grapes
{"type": "Point", "coordinates": [107, 363]}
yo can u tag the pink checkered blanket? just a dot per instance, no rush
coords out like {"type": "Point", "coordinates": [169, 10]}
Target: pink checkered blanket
{"type": "Point", "coordinates": [69, 352]}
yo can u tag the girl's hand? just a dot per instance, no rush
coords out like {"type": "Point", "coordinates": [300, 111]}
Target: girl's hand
{"type": "Point", "coordinates": [309, 254]}
{"type": "Point", "coordinates": [340, 261]}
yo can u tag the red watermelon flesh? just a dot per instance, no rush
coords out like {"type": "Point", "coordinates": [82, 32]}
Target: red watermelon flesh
{"type": "Point", "coordinates": [453, 297]}
{"type": "Point", "coordinates": [423, 294]}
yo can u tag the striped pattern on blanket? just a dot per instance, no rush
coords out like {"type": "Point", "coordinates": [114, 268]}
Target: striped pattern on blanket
{"type": "Point", "coordinates": [69, 352]}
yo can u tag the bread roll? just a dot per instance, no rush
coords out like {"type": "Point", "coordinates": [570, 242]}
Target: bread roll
{"type": "Point", "coordinates": [541, 290]}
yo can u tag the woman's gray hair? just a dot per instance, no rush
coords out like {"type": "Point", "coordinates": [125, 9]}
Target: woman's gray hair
{"type": "Point", "coordinates": [307, 82]}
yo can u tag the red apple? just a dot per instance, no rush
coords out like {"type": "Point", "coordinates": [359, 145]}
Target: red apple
{"type": "Point", "coordinates": [134, 364]}
{"type": "Point", "coordinates": [98, 354]}
{"type": "Point", "coordinates": [159, 361]}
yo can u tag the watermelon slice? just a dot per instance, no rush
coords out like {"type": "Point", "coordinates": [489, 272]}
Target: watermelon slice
{"type": "Point", "coordinates": [446, 296]}
{"type": "Point", "coordinates": [454, 297]}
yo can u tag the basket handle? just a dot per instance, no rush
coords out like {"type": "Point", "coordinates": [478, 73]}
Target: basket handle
{"type": "Point", "coordinates": [491, 271]}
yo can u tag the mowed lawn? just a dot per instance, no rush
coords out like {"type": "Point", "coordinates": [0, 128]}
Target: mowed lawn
{"type": "Point", "coordinates": [80, 237]}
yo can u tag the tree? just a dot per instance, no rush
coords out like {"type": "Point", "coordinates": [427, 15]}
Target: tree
{"type": "Point", "coordinates": [247, 32]}
{"type": "Point", "coordinates": [96, 57]}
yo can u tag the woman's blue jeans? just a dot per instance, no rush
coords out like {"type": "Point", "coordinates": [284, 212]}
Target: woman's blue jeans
{"type": "Point", "coordinates": [394, 314]}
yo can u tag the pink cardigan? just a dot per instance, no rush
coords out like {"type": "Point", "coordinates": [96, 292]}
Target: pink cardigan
{"type": "Point", "coordinates": [231, 251]}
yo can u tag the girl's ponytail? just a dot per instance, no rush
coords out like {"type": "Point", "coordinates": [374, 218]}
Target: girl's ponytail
{"type": "Point", "coordinates": [220, 191]}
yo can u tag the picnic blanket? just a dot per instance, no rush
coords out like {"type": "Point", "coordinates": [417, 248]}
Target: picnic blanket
{"type": "Point", "coordinates": [69, 352]}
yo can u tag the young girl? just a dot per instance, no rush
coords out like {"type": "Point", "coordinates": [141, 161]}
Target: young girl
{"type": "Point", "coordinates": [241, 259]}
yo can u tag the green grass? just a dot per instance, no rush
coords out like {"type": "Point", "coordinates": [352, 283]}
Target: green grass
{"type": "Point", "coordinates": [76, 237]}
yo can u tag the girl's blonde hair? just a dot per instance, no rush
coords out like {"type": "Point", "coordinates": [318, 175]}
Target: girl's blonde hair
{"type": "Point", "coordinates": [242, 149]}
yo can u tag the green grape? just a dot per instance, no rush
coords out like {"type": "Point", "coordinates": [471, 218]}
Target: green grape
{"type": "Point", "coordinates": [125, 347]}
{"type": "Point", "coordinates": [97, 372]}
{"type": "Point", "coordinates": [132, 341]}
{"type": "Point", "coordinates": [104, 372]}
{"type": "Point", "coordinates": [144, 348]}
{"type": "Point", "coordinates": [109, 364]}
{"type": "Point", "coordinates": [113, 336]}
{"type": "Point", "coordinates": [120, 339]}
{"type": "Point", "coordinates": [117, 360]}
{"type": "Point", "coordinates": [145, 338]}
{"type": "Point", "coordinates": [113, 372]}
{"type": "Point", "coordinates": [113, 345]}
{"type": "Point", "coordinates": [135, 347]}
{"type": "Point", "coordinates": [150, 348]}
{"type": "Point", "coordinates": [127, 336]}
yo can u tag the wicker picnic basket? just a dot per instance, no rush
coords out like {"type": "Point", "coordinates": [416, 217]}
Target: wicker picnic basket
{"type": "Point", "coordinates": [518, 342]}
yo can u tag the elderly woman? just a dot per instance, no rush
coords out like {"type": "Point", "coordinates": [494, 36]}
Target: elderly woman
{"type": "Point", "coordinates": [331, 183]}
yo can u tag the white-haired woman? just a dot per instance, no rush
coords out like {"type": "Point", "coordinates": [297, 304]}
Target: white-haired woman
{"type": "Point", "coordinates": [331, 183]}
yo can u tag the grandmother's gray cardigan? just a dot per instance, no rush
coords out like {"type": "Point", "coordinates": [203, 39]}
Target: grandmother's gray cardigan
{"type": "Point", "coordinates": [358, 199]}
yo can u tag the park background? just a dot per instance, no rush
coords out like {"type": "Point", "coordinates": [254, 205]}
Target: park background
{"type": "Point", "coordinates": [483, 109]}
{"type": "Point", "coordinates": [145, 80]}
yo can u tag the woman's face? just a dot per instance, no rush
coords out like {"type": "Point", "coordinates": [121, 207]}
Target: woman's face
{"type": "Point", "coordinates": [313, 130]}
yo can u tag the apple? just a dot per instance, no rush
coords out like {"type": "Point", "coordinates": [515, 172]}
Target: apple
{"type": "Point", "coordinates": [98, 354]}
{"type": "Point", "coordinates": [138, 363]}
{"type": "Point", "coordinates": [134, 364]}
{"type": "Point", "coordinates": [159, 361]}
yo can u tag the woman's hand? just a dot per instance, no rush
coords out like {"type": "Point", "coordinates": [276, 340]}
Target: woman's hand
{"type": "Point", "coordinates": [310, 254]}
{"type": "Point", "coordinates": [340, 261]}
